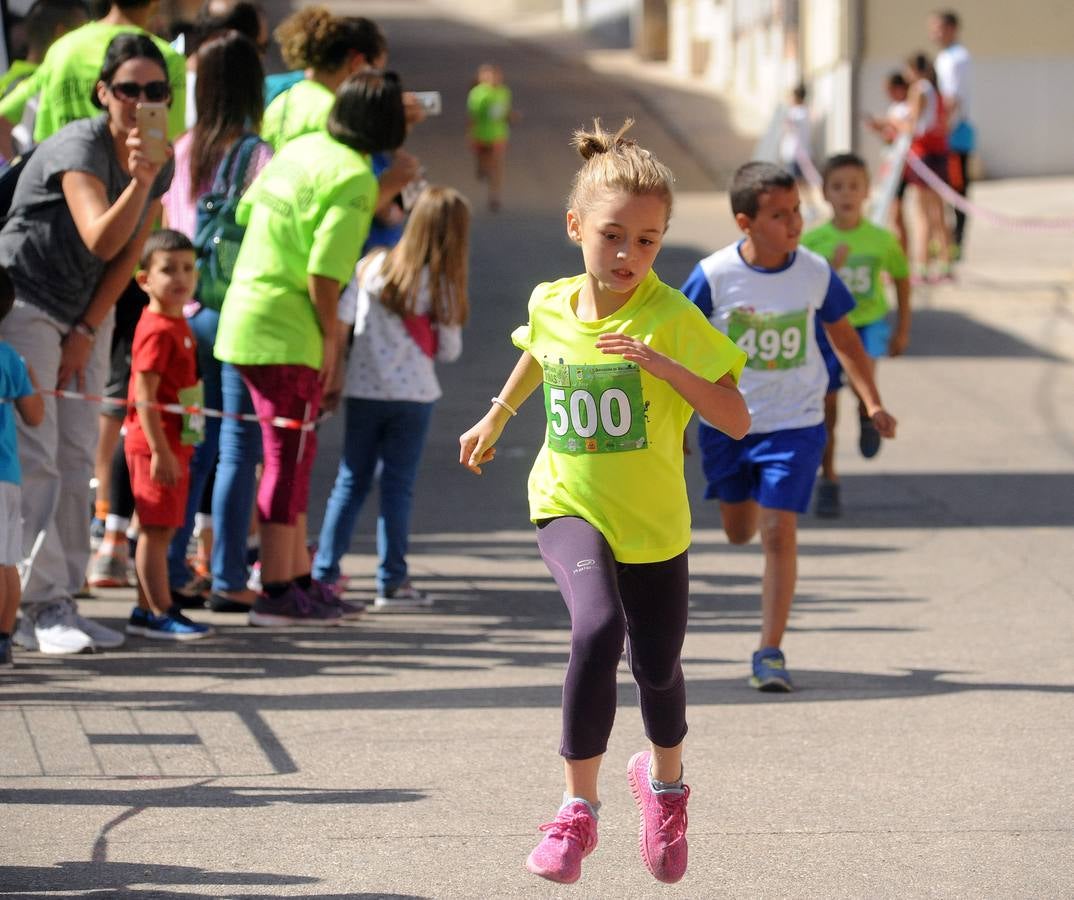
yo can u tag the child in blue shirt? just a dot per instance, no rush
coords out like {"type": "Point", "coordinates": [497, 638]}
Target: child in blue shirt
{"type": "Point", "coordinates": [18, 392]}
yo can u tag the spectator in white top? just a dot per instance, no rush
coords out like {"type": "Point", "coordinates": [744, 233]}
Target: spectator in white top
{"type": "Point", "coordinates": [407, 305]}
{"type": "Point", "coordinates": [794, 145]}
{"type": "Point", "coordinates": [954, 74]}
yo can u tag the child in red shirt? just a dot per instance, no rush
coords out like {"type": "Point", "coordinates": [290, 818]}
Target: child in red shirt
{"type": "Point", "coordinates": [159, 444]}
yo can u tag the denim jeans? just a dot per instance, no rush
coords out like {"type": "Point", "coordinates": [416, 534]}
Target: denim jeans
{"type": "Point", "coordinates": [391, 432]}
{"type": "Point", "coordinates": [236, 482]}
{"type": "Point", "coordinates": [202, 463]}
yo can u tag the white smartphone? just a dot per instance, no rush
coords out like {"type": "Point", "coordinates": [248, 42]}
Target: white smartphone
{"type": "Point", "coordinates": [430, 101]}
{"type": "Point", "coordinates": [412, 191]}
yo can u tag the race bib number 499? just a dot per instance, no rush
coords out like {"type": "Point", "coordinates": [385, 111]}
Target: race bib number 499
{"type": "Point", "coordinates": [594, 409]}
{"type": "Point", "coordinates": [771, 341]}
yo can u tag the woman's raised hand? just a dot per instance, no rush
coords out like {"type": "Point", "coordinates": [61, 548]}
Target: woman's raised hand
{"type": "Point", "coordinates": [142, 168]}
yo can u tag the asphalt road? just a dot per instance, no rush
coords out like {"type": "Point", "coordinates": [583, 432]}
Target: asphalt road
{"type": "Point", "coordinates": [926, 754]}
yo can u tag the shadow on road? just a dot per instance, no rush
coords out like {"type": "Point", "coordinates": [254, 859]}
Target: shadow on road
{"type": "Point", "coordinates": [91, 877]}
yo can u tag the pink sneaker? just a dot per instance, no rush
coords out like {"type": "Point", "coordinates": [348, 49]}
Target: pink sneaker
{"type": "Point", "coordinates": [570, 838]}
{"type": "Point", "coordinates": [662, 837]}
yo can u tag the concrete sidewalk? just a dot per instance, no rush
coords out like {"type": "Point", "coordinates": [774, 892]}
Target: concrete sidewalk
{"type": "Point", "coordinates": [926, 754]}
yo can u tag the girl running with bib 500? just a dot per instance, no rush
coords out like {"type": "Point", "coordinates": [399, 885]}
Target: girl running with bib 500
{"type": "Point", "coordinates": [623, 361]}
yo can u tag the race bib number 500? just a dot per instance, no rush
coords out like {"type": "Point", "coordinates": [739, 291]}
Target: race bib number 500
{"type": "Point", "coordinates": [594, 409]}
{"type": "Point", "coordinates": [771, 341]}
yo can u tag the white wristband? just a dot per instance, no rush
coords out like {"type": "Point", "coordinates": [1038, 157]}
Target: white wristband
{"type": "Point", "coordinates": [503, 404]}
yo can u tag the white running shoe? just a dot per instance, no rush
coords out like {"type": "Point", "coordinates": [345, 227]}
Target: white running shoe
{"type": "Point", "coordinates": [57, 630]}
{"type": "Point", "coordinates": [103, 637]}
{"type": "Point", "coordinates": [404, 597]}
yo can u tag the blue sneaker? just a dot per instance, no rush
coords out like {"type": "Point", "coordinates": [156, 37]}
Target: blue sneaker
{"type": "Point", "coordinates": [868, 438]}
{"type": "Point", "coordinates": [174, 626]}
{"type": "Point", "coordinates": [770, 671]}
{"type": "Point", "coordinates": [139, 621]}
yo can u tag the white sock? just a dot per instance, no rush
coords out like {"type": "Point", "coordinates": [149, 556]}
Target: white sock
{"type": "Point", "coordinates": [666, 787]}
{"type": "Point", "coordinates": [116, 523]}
{"type": "Point", "coordinates": [594, 808]}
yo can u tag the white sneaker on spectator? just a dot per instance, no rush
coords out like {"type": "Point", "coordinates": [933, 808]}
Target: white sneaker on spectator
{"type": "Point", "coordinates": [404, 597]}
{"type": "Point", "coordinates": [56, 629]}
{"type": "Point", "coordinates": [103, 637]}
{"type": "Point", "coordinates": [253, 582]}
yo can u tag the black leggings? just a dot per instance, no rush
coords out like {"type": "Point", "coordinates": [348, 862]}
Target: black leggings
{"type": "Point", "coordinates": [609, 601]}
{"type": "Point", "coordinates": [121, 496]}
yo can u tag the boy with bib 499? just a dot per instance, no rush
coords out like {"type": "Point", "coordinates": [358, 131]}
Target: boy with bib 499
{"type": "Point", "coordinates": [768, 295]}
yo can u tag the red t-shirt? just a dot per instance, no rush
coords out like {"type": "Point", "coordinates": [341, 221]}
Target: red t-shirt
{"type": "Point", "coordinates": [165, 346]}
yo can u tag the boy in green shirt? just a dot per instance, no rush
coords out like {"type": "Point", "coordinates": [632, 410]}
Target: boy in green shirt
{"type": "Point", "coordinates": [65, 80]}
{"type": "Point", "coordinates": [860, 252]}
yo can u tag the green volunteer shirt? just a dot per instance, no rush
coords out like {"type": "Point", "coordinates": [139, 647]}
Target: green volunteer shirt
{"type": "Point", "coordinates": [298, 110]}
{"type": "Point", "coordinates": [68, 74]}
{"type": "Point", "coordinates": [489, 106]}
{"type": "Point", "coordinates": [307, 213]}
{"type": "Point", "coordinates": [873, 250]}
{"type": "Point", "coordinates": [613, 448]}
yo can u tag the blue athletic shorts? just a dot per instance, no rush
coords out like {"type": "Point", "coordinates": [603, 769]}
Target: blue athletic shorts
{"type": "Point", "coordinates": [776, 469]}
{"type": "Point", "coordinates": [874, 338]}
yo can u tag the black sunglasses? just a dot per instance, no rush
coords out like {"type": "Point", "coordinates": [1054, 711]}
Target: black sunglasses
{"type": "Point", "coordinates": [153, 91]}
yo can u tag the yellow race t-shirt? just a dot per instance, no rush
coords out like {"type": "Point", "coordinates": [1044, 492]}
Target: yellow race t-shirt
{"type": "Point", "coordinates": [298, 110]}
{"type": "Point", "coordinates": [68, 75]}
{"type": "Point", "coordinates": [613, 448]}
{"type": "Point", "coordinates": [307, 213]}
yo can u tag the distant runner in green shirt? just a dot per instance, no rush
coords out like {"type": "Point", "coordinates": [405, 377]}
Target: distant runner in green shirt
{"type": "Point", "coordinates": [67, 75]}
{"type": "Point", "coordinates": [488, 106]}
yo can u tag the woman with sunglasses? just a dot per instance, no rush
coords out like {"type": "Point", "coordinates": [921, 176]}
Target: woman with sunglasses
{"type": "Point", "coordinates": [83, 207]}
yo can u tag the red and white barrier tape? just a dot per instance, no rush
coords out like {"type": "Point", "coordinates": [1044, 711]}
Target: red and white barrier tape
{"type": "Point", "coordinates": [950, 196]}
{"type": "Point", "coordinates": [809, 171]}
{"type": "Point", "coordinates": [277, 421]}
{"type": "Point", "coordinates": [1002, 220]}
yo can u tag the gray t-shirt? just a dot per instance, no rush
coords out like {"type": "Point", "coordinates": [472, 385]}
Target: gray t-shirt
{"type": "Point", "coordinates": [50, 265]}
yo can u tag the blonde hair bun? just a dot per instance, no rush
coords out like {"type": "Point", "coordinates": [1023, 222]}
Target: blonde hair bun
{"type": "Point", "coordinates": [615, 163]}
{"type": "Point", "coordinates": [591, 143]}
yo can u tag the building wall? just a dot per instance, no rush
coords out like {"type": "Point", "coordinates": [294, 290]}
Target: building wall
{"type": "Point", "coordinates": [1023, 67]}
{"type": "Point", "coordinates": [1023, 58]}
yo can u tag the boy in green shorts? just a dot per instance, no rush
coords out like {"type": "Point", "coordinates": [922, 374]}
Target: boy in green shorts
{"type": "Point", "coordinates": [860, 252]}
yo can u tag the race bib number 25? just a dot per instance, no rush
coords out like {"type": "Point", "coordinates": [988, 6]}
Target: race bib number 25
{"type": "Point", "coordinates": [771, 341]}
{"type": "Point", "coordinates": [594, 409]}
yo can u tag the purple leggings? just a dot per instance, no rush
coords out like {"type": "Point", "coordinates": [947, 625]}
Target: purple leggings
{"type": "Point", "coordinates": [609, 601]}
